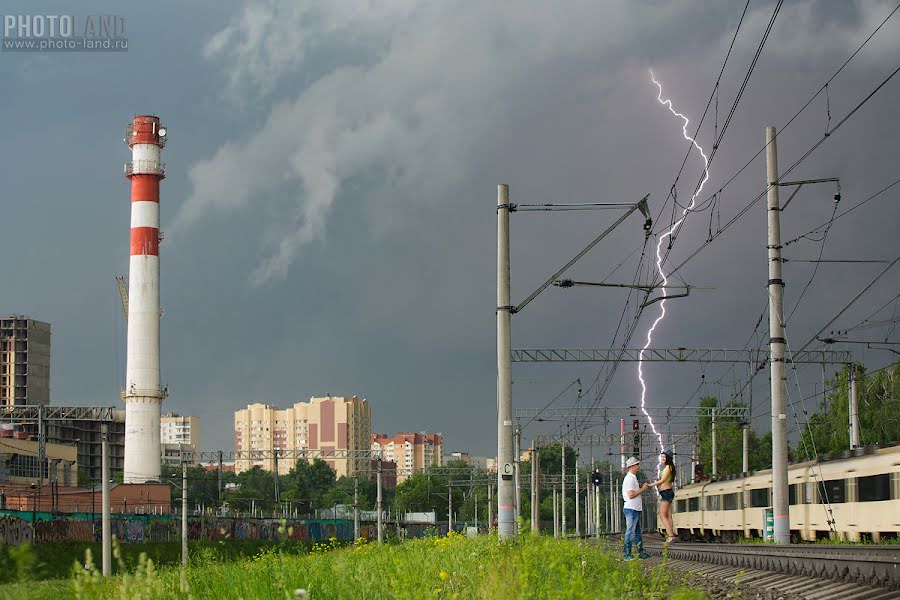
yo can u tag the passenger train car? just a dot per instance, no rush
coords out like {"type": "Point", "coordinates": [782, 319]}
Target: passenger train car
{"type": "Point", "coordinates": [862, 487]}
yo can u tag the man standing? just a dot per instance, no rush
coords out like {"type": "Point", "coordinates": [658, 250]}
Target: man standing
{"type": "Point", "coordinates": [631, 494]}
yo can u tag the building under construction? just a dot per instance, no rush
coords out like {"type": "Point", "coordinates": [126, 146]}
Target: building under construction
{"type": "Point", "coordinates": [24, 361]}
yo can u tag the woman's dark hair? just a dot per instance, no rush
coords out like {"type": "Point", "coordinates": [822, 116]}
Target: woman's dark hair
{"type": "Point", "coordinates": [670, 462]}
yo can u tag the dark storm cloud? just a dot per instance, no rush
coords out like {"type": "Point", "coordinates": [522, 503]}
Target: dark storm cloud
{"type": "Point", "coordinates": [330, 203]}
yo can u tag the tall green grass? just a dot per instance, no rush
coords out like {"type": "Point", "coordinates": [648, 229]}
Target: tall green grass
{"type": "Point", "coordinates": [34, 562]}
{"type": "Point", "coordinates": [440, 567]}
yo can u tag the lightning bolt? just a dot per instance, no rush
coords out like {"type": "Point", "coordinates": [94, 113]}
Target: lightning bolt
{"type": "Point", "coordinates": [659, 258]}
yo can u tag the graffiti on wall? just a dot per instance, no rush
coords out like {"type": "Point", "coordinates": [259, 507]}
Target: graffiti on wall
{"type": "Point", "coordinates": [63, 530]}
{"type": "Point", "coordinates": [142, 528]}
{"type": "Point", "coordinates": [15, 531]}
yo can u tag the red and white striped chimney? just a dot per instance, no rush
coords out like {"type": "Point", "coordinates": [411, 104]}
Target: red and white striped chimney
{"type": "Point", "coordinates": [143, 395]}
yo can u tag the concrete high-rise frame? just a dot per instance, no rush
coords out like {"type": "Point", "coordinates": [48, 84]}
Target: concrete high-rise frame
{"type": "Point", "coordinates": [24, 361]}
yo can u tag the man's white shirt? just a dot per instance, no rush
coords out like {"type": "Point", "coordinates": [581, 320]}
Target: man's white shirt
{"type": "Point", "coordinates": [631, 483]}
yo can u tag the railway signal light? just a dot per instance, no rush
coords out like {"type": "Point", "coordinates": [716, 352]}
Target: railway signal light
{"type": "Point", "coordinates": [597, 478]}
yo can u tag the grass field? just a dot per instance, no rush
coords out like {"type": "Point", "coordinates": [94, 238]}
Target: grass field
{"type": "Point", "coordinates": [35, 562]}
{"type": "Point", "coordinates": [440, 567]}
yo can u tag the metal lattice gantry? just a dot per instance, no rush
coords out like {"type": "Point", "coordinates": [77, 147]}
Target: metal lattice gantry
{"type": "Point", "coordinates": [586, 415]}
{"type": "Point", "coordinates": [641, 438]}
{"type": "Point", "coordinates": [298, 453]}
{"type": "Point", "coordinates": [699, 355]}
{"type": "Point", "coordinates": [37, 413]}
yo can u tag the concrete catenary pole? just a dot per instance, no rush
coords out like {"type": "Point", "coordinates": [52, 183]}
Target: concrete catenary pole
{"type": "Point", "coordinates": [588, 503]}
{"type": "Point", "coordinates": [184, 519]}
{"type": "Point", "coordinates": [715, 462]}
{"type": "Point", "coordinates": [449, 508]}
{"type": "Point", "coordinates": [555, 515]}
{"type": "Point", "coordinates": [745, 462]}
{"type": "Point", "coordinates": [776, 348]}
{"type": "Point", "coordinates": [562, 504]}
{"type": "Point", "coordinates": [355, 508]}
{"type": "Point", "coordinates": [577, 497]}
{"type": "Point", "coordinates": [612, 498]}
{"type": "Point", "coordinates": [219, 476]}
{"type": "Point", "coordinates": [506, 501]}
{"type": "Point", "coordinates": [518, 459]}
{"type": "Point", "coordinates": [142, 394]}
{"type": "Point", "coordinates": [854, 410]}
{"type": "Point", "coordinates": [106, 529]}
{"type": "Point", "coordinates": [378, 504]}
{"type": "Point", "coordinates": [490, 506]}
{"type": "Point", "coordinates": [535, 492]}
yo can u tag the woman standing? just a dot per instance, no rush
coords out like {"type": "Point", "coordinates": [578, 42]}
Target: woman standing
{"type": "Point", "coordinates": [666, 494]}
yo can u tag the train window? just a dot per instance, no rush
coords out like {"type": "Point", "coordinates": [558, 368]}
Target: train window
{"type": "Point", "coordinates": [681, 506]}
{"type": "Point", "coordinates": [759, 497]}
{"type": "Point", "coordinates": [809, 489]}
{"type": "Point", "coordinates": [693, 504]}
{"type": "Point", "coordinates": [874, 488]}
{"type": "Point", "coordinates": [836, 490]}
{"type": "Point", "coordinates": [794, 492]}
{"type": "Point", "coordinates": [712, 502]}
{"type": "Point", "coordinates": [729, 501]}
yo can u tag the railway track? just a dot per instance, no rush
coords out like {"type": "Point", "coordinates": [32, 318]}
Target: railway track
{"type": "Point", "coordinates": [811, 571]}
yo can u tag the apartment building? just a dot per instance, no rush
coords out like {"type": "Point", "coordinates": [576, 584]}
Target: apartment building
{"type": "Point", "coordinates": [325, 424]}
{"type": "Point", "coordinates": [178, 433]}
{"type": "Point", "coordinates": [412, 452]}
{"type": "Point", "coordinates": [24, 361]}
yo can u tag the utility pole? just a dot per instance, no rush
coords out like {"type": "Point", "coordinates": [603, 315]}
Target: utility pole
{"type": "Point", "coordinates": [854, 410]}
{"type": "Point", "coordinates": [518, 451]}
{"type": "Point", "coordinates": [715, 463]}
{"type": "Point", "coordinates": [745, 463]}
{"type": "Point", "coordinates": [219, 476]}
{"type": "Point", "coordinates": [612, 497]}
{"type": "Point", "coordinates": [106, 531]}
{"type": "Point", "coordinates": [378, 502]}
{"type": "Point", "coordinates": [780, 507]}
{"type": "Point", "coordinates": [449, 508]}
{"type": "Point", "coordinates": [355, 508]}
{"type": "Point", "coordinates": [275, 473]}
{"type": "Point", "coordinates": [694, 461]}
{"type": "Point", "coordinates": [506, 518]}
{"type": "Point", "coordinates": [746, 448]}
{"type": "Point", "coordinates": [535, 492]}
{"type": "Point", "coordinates": [184, 519]}
{"type": "Point", "coordinates": [490, 506]}
{"type": "Point", "coordinates": [577, 499]}
{"type": "Point", "coordinates": [555, 515]}
{"type": "Point", "coordinates": [563, 498]}
{"type": "Point", "coordinates": [588, 503]}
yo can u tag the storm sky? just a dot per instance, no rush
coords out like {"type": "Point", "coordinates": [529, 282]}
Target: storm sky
{"type": "Point", "coordinates": [329, 205]}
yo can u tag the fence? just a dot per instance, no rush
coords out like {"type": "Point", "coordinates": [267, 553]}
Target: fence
{"type": "Point", "coordinates": [27, 527]}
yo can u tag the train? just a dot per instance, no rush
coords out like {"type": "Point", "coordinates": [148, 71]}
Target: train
{"type": "Point", "coordinates": [862, 488]}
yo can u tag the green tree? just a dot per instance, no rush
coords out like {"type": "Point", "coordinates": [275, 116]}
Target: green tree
{"type": "Point", "coordinates": [730, 442]}
{"type": "Point", "coordinates": [879, 413]}
{"type": "Point", "coordinates": [308, 484]}
{"type": "Point", "coordinates": [84, 478]}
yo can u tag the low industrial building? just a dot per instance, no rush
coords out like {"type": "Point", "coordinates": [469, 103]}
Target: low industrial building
{"type": "Point", "coordinates": [19, 459]}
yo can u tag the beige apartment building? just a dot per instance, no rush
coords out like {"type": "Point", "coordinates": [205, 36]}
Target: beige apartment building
{"type": "Point", "coordinates": [329, 423]}
{"type": "Point", "coordinates": [412, 452]}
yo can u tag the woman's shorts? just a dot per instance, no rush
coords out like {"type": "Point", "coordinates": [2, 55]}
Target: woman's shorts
{"type": "Point", "coordinates": [667, 495]}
